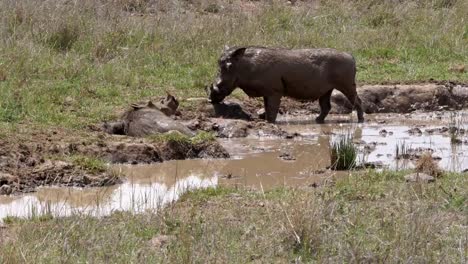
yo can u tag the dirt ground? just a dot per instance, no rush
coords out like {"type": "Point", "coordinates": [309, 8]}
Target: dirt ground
{"type": "Point", "coordinates": [381, 98]}
{"type": "Point", "coordinates": [66, 158]}
{"type": "Point", "coordinates": [54, 157]}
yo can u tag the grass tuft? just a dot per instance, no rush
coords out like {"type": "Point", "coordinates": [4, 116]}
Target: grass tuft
{"type": "Point", "coordinates": [426, 164]}
{"type": "Point", "coordinates": [402, 150]}
{"type": "Point", "coordinates": [91, 164]}
{"type": "Point", "coordinates": [64, 37]}
{"type": "Point", "coordinates": [343, 153]}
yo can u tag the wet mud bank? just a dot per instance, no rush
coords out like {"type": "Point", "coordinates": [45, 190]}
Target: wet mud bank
{"type": "Point", "coordinates": [388, 98]}
{"type": "Point", "coordinates": [139, 137]}
{"type": "Point", "coordinates": [259, 163]}
{"type": "Point", "coordinates": [83, 162]}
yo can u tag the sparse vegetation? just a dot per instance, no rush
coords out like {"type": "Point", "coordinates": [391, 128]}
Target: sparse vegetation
{"type": "Point", "coordinates": [91, 164]}
{"type": "Point", "coordinates": [370, 217]}
{"type": "Point", "coordinates": [455, 128]}
{"type": "Point", "coordinates": [72, 63]}
{"type": "Point", "coordinates": [402, 150]}
{"type": "Point", "coordinates": [426, 164]}
{"type": "Point", "coordinates": [343, 153]}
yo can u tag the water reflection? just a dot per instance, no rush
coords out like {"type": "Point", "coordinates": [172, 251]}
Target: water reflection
{"type": "Point", "coordinates": [129, 196]}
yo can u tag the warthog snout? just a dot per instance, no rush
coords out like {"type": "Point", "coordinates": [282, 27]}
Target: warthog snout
{"type": "Point", "coordinates": [214, 94]}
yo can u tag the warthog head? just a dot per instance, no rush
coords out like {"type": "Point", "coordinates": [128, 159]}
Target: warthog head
{"type": "Point", "coordinates": [227, 75]}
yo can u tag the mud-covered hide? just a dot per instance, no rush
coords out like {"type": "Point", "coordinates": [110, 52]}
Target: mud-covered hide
{"type": "Point", "coordinates": [148, 118]}
{"type": "Point", "coordinates": [232, 109]}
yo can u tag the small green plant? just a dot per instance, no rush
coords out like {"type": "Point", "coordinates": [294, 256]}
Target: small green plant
{"type": "Point", "coordinates": [402, 151]}
{"type": "Point", "coordinates": [91, 164]}
{"type": "Point", "coordinates": [343, 153]}
{"type": "Point", "coordinates": [455, 128]}
{"type": "Point", "coordinates": [202, 137]}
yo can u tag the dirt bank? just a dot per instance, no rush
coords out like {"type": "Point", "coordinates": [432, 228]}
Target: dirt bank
{"type": "Point", "coordinates": [56, 158]}
{"type": "Point", "coordinates": [382, 98]}
{"type": "Point", "coordinates": [49, 157]}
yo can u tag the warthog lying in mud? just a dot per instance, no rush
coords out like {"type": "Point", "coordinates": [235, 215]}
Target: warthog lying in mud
{"type": "Point", "coordinates": [271, 73]}
{"type": "Point", "coordinates": [149, 118]}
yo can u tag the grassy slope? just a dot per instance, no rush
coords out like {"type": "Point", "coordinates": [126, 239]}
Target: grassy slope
{"type": "Point", "coordinates": [375, 218]}
{"type": "Point", "coordinates": [67, 65]}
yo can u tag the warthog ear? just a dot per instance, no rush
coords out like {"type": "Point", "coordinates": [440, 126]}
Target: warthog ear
{"type": "Point", "coordinates": [236, 53]}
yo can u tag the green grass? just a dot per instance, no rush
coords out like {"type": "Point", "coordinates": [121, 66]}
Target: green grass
{"type": "Point", "coordinates": [343, 153]}
{"type": "Point", "coordinates": [91, 164]}
{"type": "Point", "coordinates": [78, 63]}
{"type": "Point", "coordinates": [371, 217]}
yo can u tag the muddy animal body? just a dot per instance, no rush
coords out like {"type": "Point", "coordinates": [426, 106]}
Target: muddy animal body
{"type": "Point", "coordinates": [149, 118]}
{"type": "Point", "coordinates": [271, 73]}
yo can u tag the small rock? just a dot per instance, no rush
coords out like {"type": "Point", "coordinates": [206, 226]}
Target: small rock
{"type": "Point", "coordinates": [419, 177]}
{"type": "Point", "coordinates": [292, 135]}
{"type": "Point", "coordinates": [430, 131]}
{"type": "Point", "coordinates": [373, 165]}
{"type": "Point", "coordinates": [161, 241]}
{"type": "Point", "coordinates": [415, 131]}
{"type": "Point", "coordinates": [287, 156]}
{"type": "Point", "coordinates": [229, 176]}
{"type": "Point", "coordinates": [194, 125]}
{"type": "Point", "coordinates": [5, 189]}
{"type": "Point", "coordinates": [443, 130]}
{"type": "Point", "coordinates": [318, 171]}
{"type": "Point", "coordinates": [383, 132]}
{"type": "Point", "coordinates": [314, 185]}
{"type": "Point", "coordinates": [68, 100]}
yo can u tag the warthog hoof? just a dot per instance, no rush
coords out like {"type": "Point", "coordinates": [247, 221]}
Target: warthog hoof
{"type": "Point", "coordinates": [320, 120]}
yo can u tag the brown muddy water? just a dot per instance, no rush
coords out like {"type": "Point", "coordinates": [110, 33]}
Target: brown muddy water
{"type": "Point", "coordinates": [260, 163]}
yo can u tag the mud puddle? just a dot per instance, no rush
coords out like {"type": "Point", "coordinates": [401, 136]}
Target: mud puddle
{"type": "Point", "coordinates": [260, 163]}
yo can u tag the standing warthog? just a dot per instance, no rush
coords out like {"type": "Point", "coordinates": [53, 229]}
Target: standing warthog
{"type": "Point", "coordinates": [271, 73]}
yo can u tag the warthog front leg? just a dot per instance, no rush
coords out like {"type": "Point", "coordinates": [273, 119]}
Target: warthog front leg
{"type": "Point", "coordinates": [272, 104]}
{"type": "Point", "coordinates": [325, 107]}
